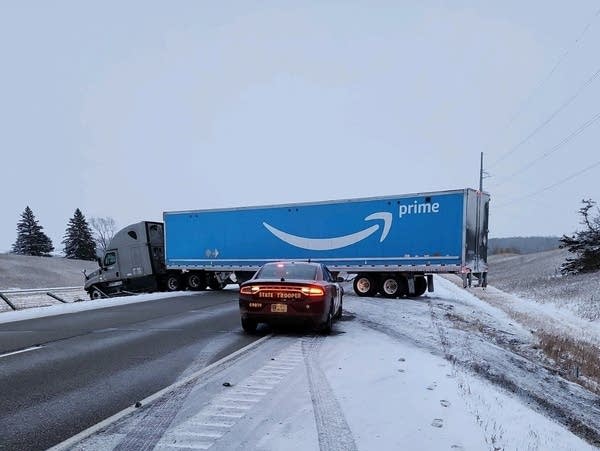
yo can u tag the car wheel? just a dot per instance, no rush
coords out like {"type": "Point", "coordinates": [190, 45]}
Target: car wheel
{"type": "Point", "coordinates": [195, 282]}
{"type": "Point", "coordinates": [172, 283]}
{"type": "Point", "coordinates": [249, 325]}
{"type": "Point", "coordinates": [338, 314]}
{"type": "Point", "coordinates": [95, 294]}
{"type": "Point", "coordinates": [328, 324]}
{"type": "Point", "coordinates": [390, 287]}
{"type": "Point", "coordinates": [364, 285]}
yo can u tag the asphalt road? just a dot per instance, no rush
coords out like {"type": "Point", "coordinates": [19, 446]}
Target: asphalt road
{"type": "Point", "coordinates": [95, 363]}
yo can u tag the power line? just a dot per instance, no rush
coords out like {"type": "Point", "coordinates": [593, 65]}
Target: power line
{"type": "Point", "coordinates": [556, 147]}
{"type": "Point", "coordinates": [554, 185]}
{"type": "Point", "coordinates": [549, 119]}
{"type": "Point", "coordinates": [554, 68]}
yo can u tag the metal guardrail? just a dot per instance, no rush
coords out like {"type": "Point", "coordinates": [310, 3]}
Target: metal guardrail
{"type": "Point", "coordinates": [51, 292]}
{"type": "Point", "coordinates": [40, 290]}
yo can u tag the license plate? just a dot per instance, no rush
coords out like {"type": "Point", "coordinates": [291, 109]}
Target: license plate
{"type": "Point", "coordinates": [279, 308]}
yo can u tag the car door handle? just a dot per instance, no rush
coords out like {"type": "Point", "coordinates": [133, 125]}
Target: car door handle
{"type": "Point", "coordinates": [117, 274]}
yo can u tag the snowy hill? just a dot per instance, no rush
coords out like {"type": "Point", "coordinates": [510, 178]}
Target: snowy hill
{"type": "Point", "coordinates": [538, 277]}
{"type": "Point", "coordinates": [23, 271]}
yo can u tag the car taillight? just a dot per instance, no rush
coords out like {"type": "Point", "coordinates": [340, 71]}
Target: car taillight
{"type": "Point", "coordinates": [250, 289]}
{"type": "Point", "coordinates": [312, 291]}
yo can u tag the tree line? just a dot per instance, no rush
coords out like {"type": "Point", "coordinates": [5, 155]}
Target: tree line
{"type": "Point", "coordinates": [82, 240]}
{"type": "Point", "coordinates": [522, 245]}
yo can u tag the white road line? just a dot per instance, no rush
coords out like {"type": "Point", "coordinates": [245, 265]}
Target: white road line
{"type": "Point", "coordinates": [194, 435]}
{"type": "Point", "coordinates": [271, 377]}
{"type": "Point", "coordinates": [250, 393]}
{"type": "Point", "coordinates": [274, 372]}
{"type": "Point", "coordinates": [236, 407]}
{"type": "Point", "coordinates": [196, 445]}
{"type": "Point", "coordinates": [33, 348]}
{"type": "Point", "coordinates": [225, 415]}
{"type": "Point", "coordinates": [213, 424]}
{"type": "Point", "coordinates": [230, 399]}
{"type": "Point", "coordinates": [260, 387]}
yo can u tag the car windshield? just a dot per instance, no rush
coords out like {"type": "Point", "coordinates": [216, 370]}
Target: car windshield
{"type": "Point", "coordinates": [288, 271]}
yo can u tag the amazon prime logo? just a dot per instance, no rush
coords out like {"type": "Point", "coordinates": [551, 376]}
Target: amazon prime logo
{"type": "Point", "coordinates": [338, 242]}
{"type": "Point", "coordinates": [416, 208]}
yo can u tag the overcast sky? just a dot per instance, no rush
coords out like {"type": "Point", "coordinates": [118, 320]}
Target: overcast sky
{"type": "Point", "coordinates": [128, 109]}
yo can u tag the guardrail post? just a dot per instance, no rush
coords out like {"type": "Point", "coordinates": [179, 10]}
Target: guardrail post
{"type": "Point", "coordinates": [52, 295]}
{"type": "Point", "coordinates": [12, 306]}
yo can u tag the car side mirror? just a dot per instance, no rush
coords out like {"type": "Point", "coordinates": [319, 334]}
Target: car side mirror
{"type": "Point", "coordinates": [339, 279]}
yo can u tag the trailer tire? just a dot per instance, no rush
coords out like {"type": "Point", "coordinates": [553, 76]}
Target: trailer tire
{"type": "Point", "coordinates": [196, 282]}
{"type": "Point", "coordinates": [364, 285]}
{"type": "Point", "coordinates": [390, 287]}
{"type": "Point", "coordinates": [173, 282]}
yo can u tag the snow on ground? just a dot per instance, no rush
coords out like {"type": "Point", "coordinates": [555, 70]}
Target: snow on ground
{"type": "Point", "coordinates": [542, 316]}
{"type": "Point", "coordinates": [537, 277]}
{"type": "Point", "coordinates": [25, 271]}
{"type": "Point", "coordinates": [446, 371]}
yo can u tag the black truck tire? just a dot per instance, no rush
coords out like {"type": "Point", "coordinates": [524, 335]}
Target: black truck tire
{"type": "Point", "coordinates": [364, 285]}
{"type": "Point", "coordinates": [195, 281]}
{"type": "Point", "coordinates": [173, 282]}
{"type": "Point", "coordinates": [249, 325]}
{"type": "Point", "coordinates": [95, 293]}
{"type": "Point", "coordinates": [390, 287]}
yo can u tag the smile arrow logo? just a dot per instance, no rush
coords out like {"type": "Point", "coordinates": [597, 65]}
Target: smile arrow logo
{"type": "Point", "coordinates": [327, 244]}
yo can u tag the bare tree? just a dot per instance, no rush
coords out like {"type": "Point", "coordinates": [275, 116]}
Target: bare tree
{"type": "Point", "coordinates": [104, 230]}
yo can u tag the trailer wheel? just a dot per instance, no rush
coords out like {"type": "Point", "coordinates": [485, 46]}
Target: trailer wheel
{"type": "Point", "coordinates": [364, 285]}
{"type": "Point", "coordinates": [173, 282]}
{"type": "Point", "coordinates": [195, 282]}
{"type": "Point", "coordinates": [390, 287]}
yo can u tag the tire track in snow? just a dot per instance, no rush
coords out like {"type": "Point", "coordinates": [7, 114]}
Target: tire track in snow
{"type": "Point", "coordinates": [332, 428]}
{"type": "Point", "coordinates": [148, 431]}
{"type": "Point", "coordinates": [224, 411]}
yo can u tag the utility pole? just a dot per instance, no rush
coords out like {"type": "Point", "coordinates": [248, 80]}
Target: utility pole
{"type": "Point", "coordinates": [481, 173]}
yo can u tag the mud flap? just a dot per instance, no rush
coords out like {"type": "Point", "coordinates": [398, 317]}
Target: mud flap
{"type": "Point", "coordinates": [411, 284]}
{"type": "Point", "coordinates": [430, 283]}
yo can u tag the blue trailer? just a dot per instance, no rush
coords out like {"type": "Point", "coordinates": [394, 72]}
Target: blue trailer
{"type": "Point", "coordinates": [393, 244]}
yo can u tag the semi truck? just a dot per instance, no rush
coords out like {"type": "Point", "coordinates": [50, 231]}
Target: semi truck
{"type": "Point", "coordinates": [391, 245]}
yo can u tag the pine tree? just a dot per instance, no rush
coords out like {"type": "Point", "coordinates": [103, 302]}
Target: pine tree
{"type": "Point", "coordinates": [585, 244]}
{"type": "Point", "coordinates": [30, 238]}
{"type": "Point", "coordinates": [78, 240]}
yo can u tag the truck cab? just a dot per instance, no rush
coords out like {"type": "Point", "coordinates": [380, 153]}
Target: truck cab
{"type": "Point", "coordinates": [133, 262]}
